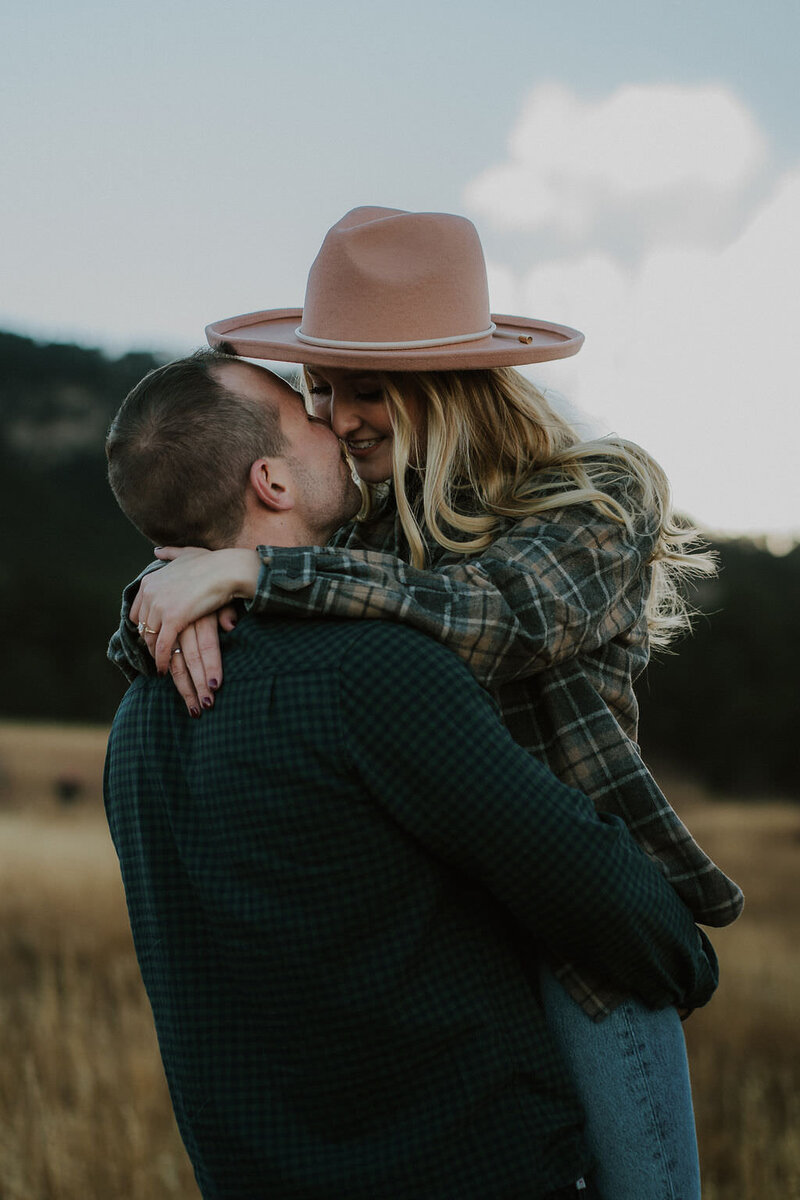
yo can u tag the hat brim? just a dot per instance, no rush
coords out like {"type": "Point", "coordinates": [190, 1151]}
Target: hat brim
{"type": "Point", "coordinates": [271, 335]}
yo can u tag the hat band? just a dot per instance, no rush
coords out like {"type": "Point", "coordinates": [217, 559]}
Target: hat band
{"type": "Point", "coordinates": [333, 344]}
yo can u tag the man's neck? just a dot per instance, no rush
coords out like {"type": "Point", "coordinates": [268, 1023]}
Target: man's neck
{"type": "Point", "coordinates": [277, 531]}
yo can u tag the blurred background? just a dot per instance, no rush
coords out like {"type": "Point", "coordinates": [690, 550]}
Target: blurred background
{"type": "Point", "coordinates": [633, 169]}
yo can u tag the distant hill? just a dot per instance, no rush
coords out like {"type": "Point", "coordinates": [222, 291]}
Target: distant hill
{"type": "Point", "coordinates": [723, 707]}
{"type": "Point", "coordinates": [725, 704]}
{"type": "Point", "coordinates": [67, 548]}
{"type": "Point", "coordinates": [57, 400]}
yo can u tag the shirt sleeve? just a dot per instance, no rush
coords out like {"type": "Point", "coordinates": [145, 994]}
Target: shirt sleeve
{"type": "Point", "coordinates": [543, 593]}
{"type": "Point", "coordinates": [126, 649]}
{"type": "Point", "coordinates": [429, 746]}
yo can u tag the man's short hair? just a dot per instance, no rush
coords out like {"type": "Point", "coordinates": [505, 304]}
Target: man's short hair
{"type": "Point", "coordinates": [180, 450]}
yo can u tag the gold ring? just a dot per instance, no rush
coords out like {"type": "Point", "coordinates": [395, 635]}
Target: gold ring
{"type": "Point", "coordinates": [146, 629]}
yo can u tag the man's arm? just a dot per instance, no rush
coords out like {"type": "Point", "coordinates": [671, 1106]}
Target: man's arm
{"type": "Point", "coordinates": [428, 743]}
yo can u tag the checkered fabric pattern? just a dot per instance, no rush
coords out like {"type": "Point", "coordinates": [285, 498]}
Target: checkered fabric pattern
{"type": "Point", "coordinates": [338, 882]}
{"type": "Point", "coordinates": [551, 619]}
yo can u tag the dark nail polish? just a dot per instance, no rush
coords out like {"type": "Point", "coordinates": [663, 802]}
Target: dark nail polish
{"type": "Point", "coordinates": [213, 684]}
{"type": "Point", "coordinates": [207, 702]}
{"type": "Point", "coordinates": [194, 711]}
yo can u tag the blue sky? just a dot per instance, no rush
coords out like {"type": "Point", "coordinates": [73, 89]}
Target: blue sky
{"type": "Point", "coordinates": [633, 169]}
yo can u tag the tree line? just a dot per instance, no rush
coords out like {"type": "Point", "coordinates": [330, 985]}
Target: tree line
{"type": "Point", "coordinates": [721, 707]}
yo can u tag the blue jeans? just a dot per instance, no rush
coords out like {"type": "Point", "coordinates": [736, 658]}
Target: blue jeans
{"type": "Point", "coordinates": [632, 1076]}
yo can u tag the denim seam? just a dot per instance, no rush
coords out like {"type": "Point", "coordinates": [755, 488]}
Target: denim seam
{"type": "Point", "coordinates": [644, 1076]}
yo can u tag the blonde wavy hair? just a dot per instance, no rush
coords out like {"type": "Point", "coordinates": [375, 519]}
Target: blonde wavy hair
{"type": "Point", "coordinates": [491, 450]}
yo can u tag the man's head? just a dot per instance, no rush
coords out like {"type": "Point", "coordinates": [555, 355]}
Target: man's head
{"type": "Point", "coordinates": [214, 451]}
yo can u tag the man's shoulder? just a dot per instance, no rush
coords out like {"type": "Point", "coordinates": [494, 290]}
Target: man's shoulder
{"type": "Point", "coordinates": [364, 647]}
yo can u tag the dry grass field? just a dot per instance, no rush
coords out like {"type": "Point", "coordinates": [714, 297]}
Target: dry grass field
{"type": "Point", "coordinates": [84, 1111]}
{"type": "Point", "coordinates": [84, 1108]}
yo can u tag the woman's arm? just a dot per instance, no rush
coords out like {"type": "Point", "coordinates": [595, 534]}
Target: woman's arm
{"type": "Point", "coordinates": [546, 591]}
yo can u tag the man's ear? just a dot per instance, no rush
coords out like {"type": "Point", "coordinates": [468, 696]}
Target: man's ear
{"type": "Point", "coordinates": [271, 482]}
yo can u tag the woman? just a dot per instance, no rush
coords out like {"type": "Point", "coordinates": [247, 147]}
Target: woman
{"type": "Point", "coordinates": [548, 564]}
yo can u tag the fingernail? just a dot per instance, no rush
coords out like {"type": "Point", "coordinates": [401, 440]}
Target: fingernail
{"type": "Point", "coordinates": [194, 710]}
{"type": "Point", "coordinates": [207, 702]}
{"type": "Point", "coordinates": [213, 684]}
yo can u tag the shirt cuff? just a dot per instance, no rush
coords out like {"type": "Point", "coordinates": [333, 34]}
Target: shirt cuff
{"type": "Point", "coordinates": [286, 569]}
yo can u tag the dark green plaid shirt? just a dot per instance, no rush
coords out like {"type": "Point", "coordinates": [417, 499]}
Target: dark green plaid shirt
{"type": "Point", "coordinates": [339, 881]}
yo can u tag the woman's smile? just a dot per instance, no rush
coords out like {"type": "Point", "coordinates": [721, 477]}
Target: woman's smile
{"type": "Point", "coordinates": [360, 447]}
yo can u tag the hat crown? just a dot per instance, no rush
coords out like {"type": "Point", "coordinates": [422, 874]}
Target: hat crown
{"type": "Point", "coordinates": [384, 275]}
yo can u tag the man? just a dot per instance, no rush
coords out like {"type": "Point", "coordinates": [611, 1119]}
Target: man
{"type": "Point", "coordinates": [340, 879]}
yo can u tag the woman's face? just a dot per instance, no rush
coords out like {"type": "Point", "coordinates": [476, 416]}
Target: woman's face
{"type": "Point", "coordinates": [355, 406]}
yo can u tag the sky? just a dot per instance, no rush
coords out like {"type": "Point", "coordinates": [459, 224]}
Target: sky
{"type": "Point", "coordinates": [632, 167]}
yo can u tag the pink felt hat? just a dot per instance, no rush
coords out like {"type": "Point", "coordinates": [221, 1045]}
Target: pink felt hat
{"type": "Point", "coordinates": [396, 291]}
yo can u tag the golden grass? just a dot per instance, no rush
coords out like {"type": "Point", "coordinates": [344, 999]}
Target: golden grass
{"type": "Point", "coordinates": [84, 1109]}
{"type": "Point", "coordinates": [744, 1047]}
{"type": "Point", "coordinates": [35, 758]}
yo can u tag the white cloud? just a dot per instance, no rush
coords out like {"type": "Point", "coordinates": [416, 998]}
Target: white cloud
{"type": "Point", "coordinates": [690, 348]}
{"type": "Point", "coordinates": [569, 160]}
{"type": "Point", "coordinates": [692, 354]}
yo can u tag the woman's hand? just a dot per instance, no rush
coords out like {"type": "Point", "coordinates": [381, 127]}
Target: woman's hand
{"type": "Point", "coordinates": [194, 584]}
{"type": "Point", "coordinates": [195, 663]}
